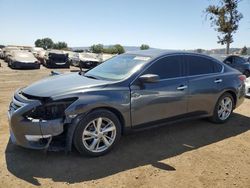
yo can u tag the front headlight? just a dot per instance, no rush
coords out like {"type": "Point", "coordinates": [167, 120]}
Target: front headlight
{"type": "Point", "coordinates": [51, 110]}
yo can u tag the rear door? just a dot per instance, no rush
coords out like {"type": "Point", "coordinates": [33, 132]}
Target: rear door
{"type": "Point", "coordinates": [166, 98]}
{"type": "Point", "coordinates": [204, 80]}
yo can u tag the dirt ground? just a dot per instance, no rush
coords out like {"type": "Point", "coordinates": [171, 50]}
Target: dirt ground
{"type": "Point", "coordinates": [196, 153]}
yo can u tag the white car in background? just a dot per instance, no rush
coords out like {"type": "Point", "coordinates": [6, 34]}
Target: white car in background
{"type": "Point", "coordinates": [19, 59]}
{"type": "Point", "coordinates": [36, 50]}
{"type": "Point", "coordinates": [7, 51]}
{"type": "Point", "coordinates": [247, 87]}
{"type": "Point", "coordinates": [74, 58]}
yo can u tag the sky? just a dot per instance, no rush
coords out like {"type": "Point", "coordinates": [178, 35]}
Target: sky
{"type": "Point", "coordinates": [166, 24]}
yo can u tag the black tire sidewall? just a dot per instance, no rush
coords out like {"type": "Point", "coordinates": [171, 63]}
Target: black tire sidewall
{"type": "Point", "coordinates": [84, 122]}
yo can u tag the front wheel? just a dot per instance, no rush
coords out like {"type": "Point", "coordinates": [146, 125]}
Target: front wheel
{"type": "Point", "coordinates": [97, 133]}
{"type": "Point", "coordinates": [223, 108]}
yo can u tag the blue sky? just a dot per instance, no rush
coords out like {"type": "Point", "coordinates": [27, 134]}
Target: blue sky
{"type": "Point", "coordinates": [175, 24]}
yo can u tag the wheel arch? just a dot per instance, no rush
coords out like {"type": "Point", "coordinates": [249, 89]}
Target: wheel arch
{"type": "Point", "coordinates": [71, 129]}
{"type": "Point", "coordinates": [114, 111]}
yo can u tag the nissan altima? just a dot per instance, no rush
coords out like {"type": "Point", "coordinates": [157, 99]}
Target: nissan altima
{"type": "Point", "coordinates": [131, 91]}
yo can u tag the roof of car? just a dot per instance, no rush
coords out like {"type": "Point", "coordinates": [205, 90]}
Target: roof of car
{"type": "Point", "coordinates": [158, 52]}
{"type": "Point", "coordinates": [151, 52]}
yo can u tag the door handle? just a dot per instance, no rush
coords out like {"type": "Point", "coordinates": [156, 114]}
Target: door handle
{"type": "Point", "coordinates": [218, 81]}
{"type": "Point", "coordinates": [182, 87]}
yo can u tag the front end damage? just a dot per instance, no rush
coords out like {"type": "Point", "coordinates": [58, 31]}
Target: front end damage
{"type": "Point", "coordinates": [36, 122]}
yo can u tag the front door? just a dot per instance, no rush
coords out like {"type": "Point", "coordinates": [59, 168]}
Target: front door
{"type": "Point", "coordinates": [164, 99]}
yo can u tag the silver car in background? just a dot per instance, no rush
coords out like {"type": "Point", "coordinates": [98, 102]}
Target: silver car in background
{"type": "Point", "coordinates": [19, 59]}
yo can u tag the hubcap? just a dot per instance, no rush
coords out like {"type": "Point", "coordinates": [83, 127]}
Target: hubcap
{"type": "Point", "coordinates": [225, 108]}
{"type": "Point", "coordinates": [99, 134]}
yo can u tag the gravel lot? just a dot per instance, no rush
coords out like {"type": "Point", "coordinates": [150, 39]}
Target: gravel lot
{"type": "Point", "coordinates": [189, 154]}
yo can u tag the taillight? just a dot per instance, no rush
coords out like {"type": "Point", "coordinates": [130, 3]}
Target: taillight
{"type": "Point", "coordinates": [242, 78]}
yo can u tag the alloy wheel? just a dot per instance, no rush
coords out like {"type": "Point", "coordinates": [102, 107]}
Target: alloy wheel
{"type": "Point", "coordinates": [99, 134]}
{"type": "Point", "coordinates": [225, 108]}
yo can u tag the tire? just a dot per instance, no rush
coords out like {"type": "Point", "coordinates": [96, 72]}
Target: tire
{"type": "Point", "coordinates": [247, 73]}
{"type": "Point", "coordinates": [222, 114]}
{"type": "Point", "coordinates": [94, 142]}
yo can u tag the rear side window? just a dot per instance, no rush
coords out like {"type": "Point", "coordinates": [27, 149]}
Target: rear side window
{"type": "Point", "coordinates": [167, 67]}
{"type": "Point", "coordinates": [200, 65]}
{"type": "Point", "coordinates": [239, 60]}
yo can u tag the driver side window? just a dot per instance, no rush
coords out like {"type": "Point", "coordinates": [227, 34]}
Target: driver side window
{"type": "Point", "coordinates": [167, 67]}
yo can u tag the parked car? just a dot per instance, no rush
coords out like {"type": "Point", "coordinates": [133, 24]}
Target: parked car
{"type": "Point", "coordinates": [75, 59]}
{"type": "Point", "coordinates": [128, 92]}
{"type": "Point", "coordinates": [36, 50]}
{"type": "Point", "coordinates": [56, 59]}
{"type": "Point", "coordinates": [248, 87]}
{"type": "Point", "coordinates": [41, 56]}
{"type": "Point", "coordinates": [19, 59]}
{"type": "Point", "coordinates": [89, 60]}
{"type": "Point", "coordinates": [6, 52]}
{"type": "Point", "coordinates": [240, 63]}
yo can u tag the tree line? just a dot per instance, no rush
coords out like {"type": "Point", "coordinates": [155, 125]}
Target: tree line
{"type": "Point", "coordinates": [47, 43]}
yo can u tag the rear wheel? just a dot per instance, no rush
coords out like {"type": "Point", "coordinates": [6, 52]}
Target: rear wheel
{"type": "Point", "coordinates": [223, 108]}
{"type": "Point", "coordinates": [97, 133]}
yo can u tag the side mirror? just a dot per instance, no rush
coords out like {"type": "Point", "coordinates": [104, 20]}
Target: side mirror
{"type": "Point", "coordinates": [149, 78]}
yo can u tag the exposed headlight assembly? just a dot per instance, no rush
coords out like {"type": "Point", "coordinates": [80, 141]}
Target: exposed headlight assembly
{"type": "Point", "coordinates": [51, 110]}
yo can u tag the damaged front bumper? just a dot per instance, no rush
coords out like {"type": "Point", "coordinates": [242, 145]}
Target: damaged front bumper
{"type": "Point", "coordinates": [28, 132]}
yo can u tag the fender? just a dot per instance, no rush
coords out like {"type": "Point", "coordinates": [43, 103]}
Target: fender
{"type": "Point", "coordinates": [120, 101]}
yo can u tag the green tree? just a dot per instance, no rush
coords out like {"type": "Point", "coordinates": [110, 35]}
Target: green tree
{"type": "Point", "coordinates": [225, 19]}
{"type": "Point", "coordinates": [97, 48]}
{"type": "Point", "coordinates": [243, 51]}
{"type": "Point", "coordinates": [45, 43]}
{"type": "Point", "coordinates": [144, 47]}
{"type": "Point", "coordinates": [118, 49]}
{"type": "Point", "coordinates": [60, 45]}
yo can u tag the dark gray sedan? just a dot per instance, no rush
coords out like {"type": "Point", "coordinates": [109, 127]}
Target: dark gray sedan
{"type": "Point", "coordinates": [131, 91]}
{"type": "Point", "coordinates": [240, 63]}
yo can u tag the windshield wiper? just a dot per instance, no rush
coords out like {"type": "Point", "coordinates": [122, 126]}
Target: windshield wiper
{"type": "Point", "coordinates": [89, 76]}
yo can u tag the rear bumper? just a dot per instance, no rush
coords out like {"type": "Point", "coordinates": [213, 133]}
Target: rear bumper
{"type": "Point", "coordinates": [27, 132]}
{"type": "Point", "coordinates": [50, 63]}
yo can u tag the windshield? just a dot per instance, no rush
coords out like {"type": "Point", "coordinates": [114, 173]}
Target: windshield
{"type": "Point", "coordinates": [119, 67]}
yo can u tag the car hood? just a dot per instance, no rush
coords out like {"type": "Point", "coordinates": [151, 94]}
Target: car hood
{"type": "Point", "coordinates": [24, 58]}
{"type": "Point", "coordinates": [63, 83]}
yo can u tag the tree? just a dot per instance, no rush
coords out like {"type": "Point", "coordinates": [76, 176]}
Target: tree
{"type": "Point", "coordinates": [60, 45]}
{"type": "Point", "coordinates": [97, 48]}
{"type": "Point", "coordinates": [45, 43]}
{"type": "Point", "coordinates": [144, 47]}
{"type": "Point", "coordinates": [119, 49]}
{"type": "Point", "coordinates": [243, 51]}
{"type": "Point", "coordinates": [225, 19]}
